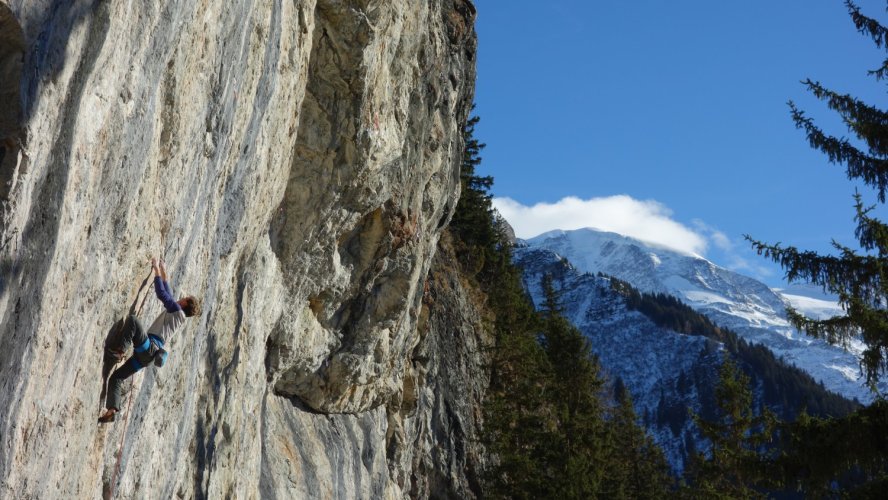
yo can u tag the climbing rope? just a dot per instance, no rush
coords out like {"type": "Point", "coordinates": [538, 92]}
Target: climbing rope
{"type": "Point", "coordinates": [122, 437]}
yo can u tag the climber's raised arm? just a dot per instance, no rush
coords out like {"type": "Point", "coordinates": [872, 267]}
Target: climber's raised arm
{"type": "Point", "coordinates": [162, 288]}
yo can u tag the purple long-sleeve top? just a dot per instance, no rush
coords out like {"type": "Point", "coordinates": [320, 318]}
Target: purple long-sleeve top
{"type": "Point", "coordinates": [165, 294]}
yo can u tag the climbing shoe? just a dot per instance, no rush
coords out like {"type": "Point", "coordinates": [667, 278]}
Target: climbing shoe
{"type": "Point", "coordinates": [108, 416]}
{"type": "Point", "coordinates": [160, 357]}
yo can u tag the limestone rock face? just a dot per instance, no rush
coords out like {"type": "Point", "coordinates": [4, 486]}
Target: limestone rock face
{"type": "Point", "coordinates": [294, 162]}
{"type": "Point", "coordinates": [442, 409]}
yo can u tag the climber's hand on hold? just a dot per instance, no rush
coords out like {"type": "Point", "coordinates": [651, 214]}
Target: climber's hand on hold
{"type": "Point", "coordinates": [163, 271]}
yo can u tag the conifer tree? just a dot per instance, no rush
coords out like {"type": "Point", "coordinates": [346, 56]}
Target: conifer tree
{"type": "Point", "coordinates": [579, 450]}
{"type": "Point", "coordinates": [517, 417]}
{"type": "Point", "coordinates": [638, 469]}
{"type": "Point", "coordinates": [517, 423]}
{"type": "Point", "coordinates": [860, 279]}
{"type": "Point", "coordinates": [471, 222]}
{"type": "Point", "coordinates": [736, 440]}
{"type": "Point", "coordinates": [517, 429]}
{"type": "Point", "coordinates": [819, 453]}
{"type": "Point", "coordinates": [544, 420]}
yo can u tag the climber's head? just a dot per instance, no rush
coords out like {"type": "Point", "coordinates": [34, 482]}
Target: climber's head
{"type": "Point", "coordinates": [190, 306]}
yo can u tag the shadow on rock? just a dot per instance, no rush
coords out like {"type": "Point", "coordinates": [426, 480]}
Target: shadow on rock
{"type": "Point", "coordinates": [118, 342]}
{"type": "Point", "coordinates": [116, 346]}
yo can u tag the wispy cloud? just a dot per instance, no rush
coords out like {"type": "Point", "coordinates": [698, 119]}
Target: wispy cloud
{"type": "Point", "coordinates": [734, 257]}
{"type": "Point", "coordinates": [745, 266]}
{"type": "Point", "coordinates": [647, 220]}
{"type": "Point", "coordinates": [718, 238]}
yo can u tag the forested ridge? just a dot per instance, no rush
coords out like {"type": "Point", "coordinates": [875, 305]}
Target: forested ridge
{"type": "Point", "coordinates": [786, 388]}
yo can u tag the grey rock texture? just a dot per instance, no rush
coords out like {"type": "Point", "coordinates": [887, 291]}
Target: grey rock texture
{"type": "Point", "coordinates": [443, 410]}
{"type": "Point", "coordinates": [295, 162]}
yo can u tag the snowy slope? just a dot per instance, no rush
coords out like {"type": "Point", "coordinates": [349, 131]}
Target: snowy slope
{"type": "Point", "coordinates": [738, 302]}
{"type": "Point", "coordinates": [811, 307]}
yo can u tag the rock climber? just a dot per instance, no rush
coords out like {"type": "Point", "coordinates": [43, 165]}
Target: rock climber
{"type": "Point", "coordinates": [148, 347]}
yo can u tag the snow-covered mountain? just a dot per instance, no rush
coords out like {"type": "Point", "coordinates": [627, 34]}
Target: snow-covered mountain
{"type": "Point", "coordinates": [667, 355]}
{"type": "Point", "coordinates": [748, 307]}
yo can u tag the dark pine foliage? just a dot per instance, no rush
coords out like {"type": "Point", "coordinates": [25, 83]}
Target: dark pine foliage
{"type": "Point", "coordinates": [471, 223]}
{"type": "Point", "coordinates": [639, 469]}
{"type": "Point", "coordinates": [752, 455]}
{"type": "Point", "coordinates": [579, 447]}
{"type": "Point", "coordinates": [818, 455]}
{"type": "Point", "coordinates": [736, 436]}
{"type": "Point", "coordinates": [548, 429]}
{"type": "Point", "coordinates": [515, 418]}
{"type": "Point", "coordinates": [857, 277]}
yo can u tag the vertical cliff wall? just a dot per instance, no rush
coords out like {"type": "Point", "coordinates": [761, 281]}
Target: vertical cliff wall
{"type": "Point", "coordinates": [295, 162]}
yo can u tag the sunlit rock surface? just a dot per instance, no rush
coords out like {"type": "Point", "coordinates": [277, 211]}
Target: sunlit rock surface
{"type": "Point", "coordinates": [295, 163]}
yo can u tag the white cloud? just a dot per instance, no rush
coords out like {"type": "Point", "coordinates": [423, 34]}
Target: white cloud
{"type": "Point", "coordinates": [648, 220]}
{"type": "Point", "coordinates": [719, 238]}
{"type": "Point", "coordinates": [735, 258]}
{"type": "Point", "coordinates": [742, 265]}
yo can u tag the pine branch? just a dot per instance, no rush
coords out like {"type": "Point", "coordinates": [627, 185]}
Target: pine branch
{"type": "Point", "coordinates": [867, 25]}
{"type": "Point", "coordinates": [850, 276]}
{"type": "Point", "coordinates": [875, 30]}
{"type": "Point", "coordinates": [871, 232]}
{"type": "Point", "coordinates": [872, 171]}
{"type": "Point", "coordinates": [838, 330]}
{"type": "Point", "coordinates": [862, 321]}
{"type": "Point", "coordinates": [831, 272]}
{"type": "Point", "coordinates": [867, 122]}
{"type": "Point", "coordinates": [872, 322]}
{"type": "Point", "coordinates": [880, 73]}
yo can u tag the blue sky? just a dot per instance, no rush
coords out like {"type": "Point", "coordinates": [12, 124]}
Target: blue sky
{"type": "Point", "coordinates": [677, 106]}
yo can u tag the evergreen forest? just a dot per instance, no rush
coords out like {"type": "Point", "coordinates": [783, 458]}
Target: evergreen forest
{"type": "Point", "coordinates": [556, 427]}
